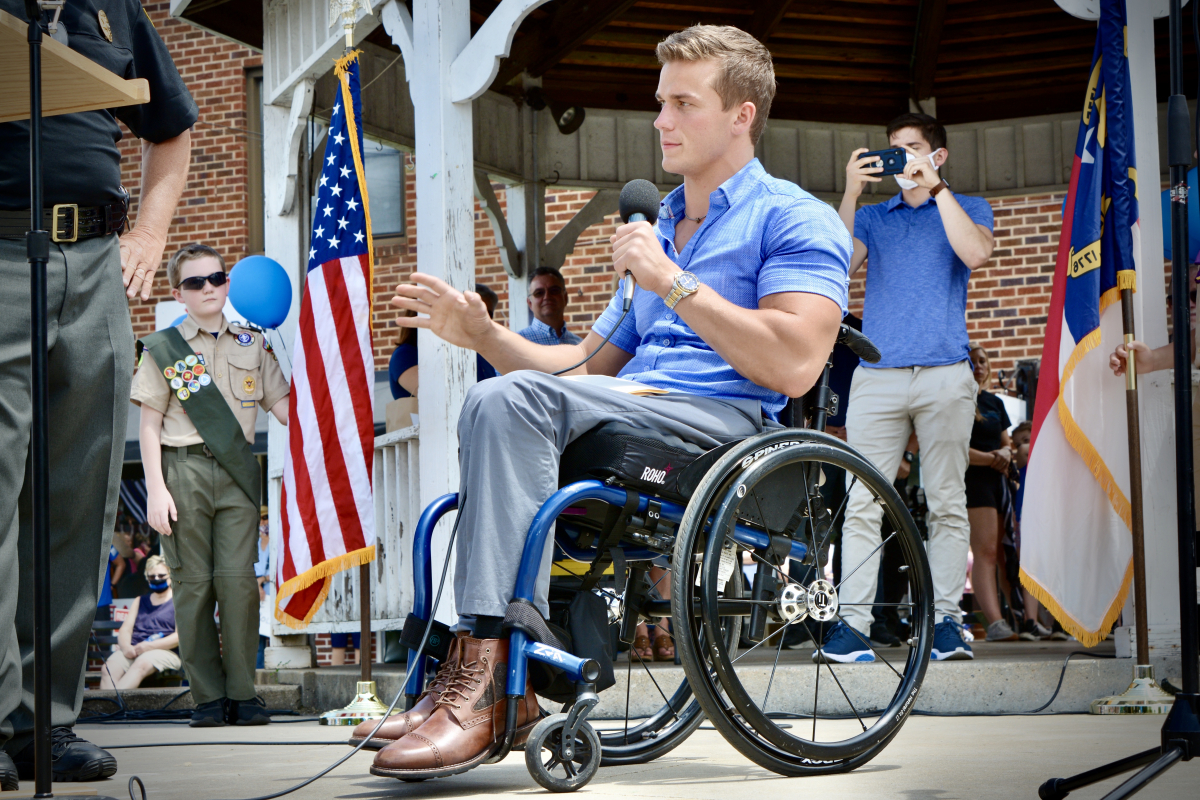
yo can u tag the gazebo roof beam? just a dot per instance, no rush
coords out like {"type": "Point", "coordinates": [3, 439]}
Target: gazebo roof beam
{"type": "Point", "coordinates": [932, 16]}
{"type": "Point", "coordinates": [476, 66]}
{"type": "Point", "coordinates": [573, 23]}
{"type": "Point", "coordinates": [767, 17]}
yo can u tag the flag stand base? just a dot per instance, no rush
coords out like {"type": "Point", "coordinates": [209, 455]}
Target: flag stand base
{"type": "Point", "coordinates": [1142, 697]}
{"type": "Point", "coordinates": [365, 706]}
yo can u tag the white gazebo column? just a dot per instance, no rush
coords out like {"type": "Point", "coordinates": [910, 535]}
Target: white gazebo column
{"type": "Point", "coordinates": [446, 70]}
{"type": "Point", "coordinates": [1156, 391]}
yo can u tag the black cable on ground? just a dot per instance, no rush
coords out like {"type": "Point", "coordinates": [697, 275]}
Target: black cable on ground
{"type": "Point", "coordinates": [218, 744]}
{"type": "Point", "coordinates": [420, 651]}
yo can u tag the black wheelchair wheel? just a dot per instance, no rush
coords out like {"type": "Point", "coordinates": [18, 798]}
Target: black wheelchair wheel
{"type": "Point", "coordinates": [636, 738]}
{"type": "Point", "coordinates": [806, 715]}
{"type": "Point", "coordinates": [555, 769]}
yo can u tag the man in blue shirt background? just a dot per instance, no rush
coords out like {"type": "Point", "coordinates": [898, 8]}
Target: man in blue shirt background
{"type": "Point", "coordinates": [922, 245]}
{"type": "Point", "coordinates": [548, 302]}
{"type": "Point", "coordinates": [741, 286]}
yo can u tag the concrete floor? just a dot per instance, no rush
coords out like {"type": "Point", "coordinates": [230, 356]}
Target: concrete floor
{"type": "Point", "coordinates": [942, 758]}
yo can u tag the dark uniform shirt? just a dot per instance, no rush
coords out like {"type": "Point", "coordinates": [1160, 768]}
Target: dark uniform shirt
{"type": "Point", "coordinates": [991, 423]}
{"type": "Point", "coordinates": [79, 151]}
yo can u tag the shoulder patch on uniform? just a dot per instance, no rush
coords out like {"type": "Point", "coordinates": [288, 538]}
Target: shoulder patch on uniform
{"type": "Point", "coordinates": [245, 339]}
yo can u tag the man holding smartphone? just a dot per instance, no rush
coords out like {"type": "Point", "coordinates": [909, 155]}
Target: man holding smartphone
{"type": "Point", "coordinates": [923, 244]}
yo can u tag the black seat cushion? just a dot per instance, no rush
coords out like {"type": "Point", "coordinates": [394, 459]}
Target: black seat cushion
{"type": "Point", "coordinates": [643, 459]}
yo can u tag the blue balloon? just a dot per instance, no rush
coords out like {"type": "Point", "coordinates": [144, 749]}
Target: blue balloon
{"type": "Point", "coordinates": [1193, 218]}
{"type": "Point", "coordinates": [260, 290]}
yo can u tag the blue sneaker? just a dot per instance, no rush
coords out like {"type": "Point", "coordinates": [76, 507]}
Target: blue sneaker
{"type": "Point", "coordinates": [844, 645]}
{"type": "Point", "coordinates": [948, 642]}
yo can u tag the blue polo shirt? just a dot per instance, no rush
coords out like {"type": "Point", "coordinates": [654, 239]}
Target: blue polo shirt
{"type": "Point", "coordinates": [539, 332]}
{"type": "Point", "coordinates": [762, 236]}
{"type": "Point", "coordinates": [915, 309]}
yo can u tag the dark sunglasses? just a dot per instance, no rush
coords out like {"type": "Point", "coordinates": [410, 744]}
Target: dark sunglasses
{"type": "Point", "coordinates": [553, 291]}
{"type": "Point", "coordinates": [196, 282]}
{"type": "Point", "coordinates": [157, 577]}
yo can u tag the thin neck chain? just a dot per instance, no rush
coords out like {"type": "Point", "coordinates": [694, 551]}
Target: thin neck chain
{"type": "Point", "coordinates": [697, 220]}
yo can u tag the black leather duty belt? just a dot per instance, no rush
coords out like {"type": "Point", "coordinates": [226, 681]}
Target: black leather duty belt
{"type": "Point", "coordinates": [68, 222]}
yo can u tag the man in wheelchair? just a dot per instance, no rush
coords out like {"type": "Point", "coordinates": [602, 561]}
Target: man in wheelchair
{"type": "Point", "coordinates": [741, 286]}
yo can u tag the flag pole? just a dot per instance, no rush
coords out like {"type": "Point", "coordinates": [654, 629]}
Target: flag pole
{"type": "Point", "coordinates": [365, 705]}
{"type": "Point", "coordinates": [1144, 696]}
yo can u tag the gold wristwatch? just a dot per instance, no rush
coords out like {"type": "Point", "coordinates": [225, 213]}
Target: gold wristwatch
{"type": "Point", "coordinates": [685, 283]}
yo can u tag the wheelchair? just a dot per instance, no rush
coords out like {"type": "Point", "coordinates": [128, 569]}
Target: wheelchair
{"type": "Point", "coordinates": [736, 524]}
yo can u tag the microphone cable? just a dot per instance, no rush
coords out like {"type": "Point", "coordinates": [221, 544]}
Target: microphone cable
{"type": "Point", "coordinates": [134, 779]}
{"type": "Point", "coordinates": [626, 305]}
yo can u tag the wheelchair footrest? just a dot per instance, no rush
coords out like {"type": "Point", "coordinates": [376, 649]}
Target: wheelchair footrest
{"type": "Point", "coordinates": [524, 616]}
{"type": "Point", "coordinates": [436, 646]}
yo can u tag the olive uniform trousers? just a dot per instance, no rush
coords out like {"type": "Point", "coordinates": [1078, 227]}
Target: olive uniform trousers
{"type": "Point", "coordinates": [90, 366]}
{"type": "Point", "coordinates": [211, 552]}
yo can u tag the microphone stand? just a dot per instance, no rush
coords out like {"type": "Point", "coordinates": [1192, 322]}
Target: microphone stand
{"type": "Point", "coordinates": [1180, 738]}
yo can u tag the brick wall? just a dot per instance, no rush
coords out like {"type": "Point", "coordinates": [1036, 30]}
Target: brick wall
{"type": "Point", "coordinates": [213, 207]}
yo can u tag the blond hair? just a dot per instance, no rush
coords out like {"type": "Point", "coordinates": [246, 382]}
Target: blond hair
{"type": "Point", "coordinates": [746, 74]}
{"type": "Point", "coordinates": [189, 252]}
{"type": "Point", "coordinates": [155, 561]}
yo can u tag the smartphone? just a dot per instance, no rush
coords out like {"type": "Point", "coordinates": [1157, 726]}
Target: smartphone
{"type": "Point", "coordinates": [892, 160]}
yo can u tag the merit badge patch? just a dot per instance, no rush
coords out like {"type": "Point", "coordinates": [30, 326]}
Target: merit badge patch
{"type": "Point", "coordinates": [248, 384]}
{"type": "Point", "coordinates": [248, 404]}
{"type": "Point", "coordinates": [245, 339]}
{"type": "Point", "coordinates": [182, 393]}
{"type": "Point", "coordinates": [198, 369]}
{"type": "Point", "coordinates": [187, 375]}
{"type": "Point", "coordinates": [200, 358]}
{"type": "Point", "coordinates": [169, 373]}
{"type": "Point", "coordinates": [180, 366]}
{"type": "Point", "coordinates": [191, 361]}
{"type": "Point", "coordinates": [204, 380]}
{"type": "Point", "coordinates": [176, 382]}
{"type": "Point", "coordinates": [194, 386]}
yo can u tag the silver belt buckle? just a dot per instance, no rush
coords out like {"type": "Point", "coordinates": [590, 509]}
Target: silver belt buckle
{"type": "Point", "coordinates": [208, 452]}
{"type": "Point", "coordinates": [54, 211]}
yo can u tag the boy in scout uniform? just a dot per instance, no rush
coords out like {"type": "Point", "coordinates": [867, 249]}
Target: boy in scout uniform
{"type": "Point", "coordinates": [200, 385]}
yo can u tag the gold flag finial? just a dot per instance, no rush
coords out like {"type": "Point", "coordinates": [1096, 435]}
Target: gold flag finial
{"type": "Point", "coordinates": [346, 11]}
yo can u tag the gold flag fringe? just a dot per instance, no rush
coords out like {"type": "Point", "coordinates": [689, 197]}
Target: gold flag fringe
{"type": "Point", "coordinates": [318, 572]}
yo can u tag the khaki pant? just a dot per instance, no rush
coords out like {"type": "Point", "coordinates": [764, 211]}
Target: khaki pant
{"type": "Point", "coordinates": [90, 365]}
{"type": "Point", "coordinates": [211, 553]}
{"type": "Point", "coordinates": [886, 406]}
{"type": "Point", "coordinates": [161, 660]}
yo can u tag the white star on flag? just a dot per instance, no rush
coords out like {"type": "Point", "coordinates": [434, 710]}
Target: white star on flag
{"type": "Point", "coordinates": [339, 139]}
{"type": "Point", "coordinates": [312, 253]}
{"type": "Point", "coordinates": [333, 242]}
{"type": "Point", "coordinates": [328, 210]}
{"type": "Point", "coordinates": [345, 171]}
{"type": "Point", "coordinates": [352, 204]}
{"type": "Point", "coordinates": [358, 237]}
{"type": "Point", "coordinates": [336, 107]}
{"type": "Point", "coordinates": [324, 179]}
{"type": "Point", "coordinates": [342, 223]}
{"type": "Point", "coordinates": [330, 160]}
{"type": "Point", "coordinates": [337, 191]}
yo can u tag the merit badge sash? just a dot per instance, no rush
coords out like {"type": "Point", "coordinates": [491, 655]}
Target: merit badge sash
{"type": "Point", "coordinates": [206, 407]}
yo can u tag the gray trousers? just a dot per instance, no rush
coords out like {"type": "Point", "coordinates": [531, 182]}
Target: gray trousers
{"type": "Point", "coordinates": [511, 433]}
{"type": "Point", "coordinates": [91, 366]}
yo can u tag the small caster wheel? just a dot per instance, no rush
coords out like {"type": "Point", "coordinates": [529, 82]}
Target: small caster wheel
{"type": "Point", "coordinates": [546, 762]}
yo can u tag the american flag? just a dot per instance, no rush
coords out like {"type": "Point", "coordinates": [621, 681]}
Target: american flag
{"type": "Point", "coordinates": [326, 504]}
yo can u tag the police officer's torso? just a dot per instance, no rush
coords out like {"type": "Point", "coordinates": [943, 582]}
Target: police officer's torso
{"type": "Point", "coordinates": [79, 151]}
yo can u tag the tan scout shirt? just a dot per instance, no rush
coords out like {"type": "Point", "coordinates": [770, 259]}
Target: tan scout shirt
{"type": "Point", "coordinates": [247, 374]}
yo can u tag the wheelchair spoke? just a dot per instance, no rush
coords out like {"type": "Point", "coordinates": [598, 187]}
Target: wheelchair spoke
{"type": "Point", "coordinates": [829, 667]}
{"type": "Point", "coordinates": [656, 686]}
{"type": "Point", "coordinates": [774, 667]}
{"type": "Point", "coordinates": [765, 639]}
{"type": "Point", "coordinates": [817, 682]}
{"type": "Point", "coordinates": [628, 683]}
{"type": "Point", "coordinates": [846, 577]}
{"type": "Point", "coordinates": [867, 641]}
{"type": "Point", "coordinates": [833, 519]}
{"type": "Point", "coordinates": [787, 578]}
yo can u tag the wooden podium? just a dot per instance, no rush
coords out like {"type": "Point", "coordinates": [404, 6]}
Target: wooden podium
{"type": "Point", "coordinates": [70, 82]}
{"type": "Point", "coordinates": [45, 78]}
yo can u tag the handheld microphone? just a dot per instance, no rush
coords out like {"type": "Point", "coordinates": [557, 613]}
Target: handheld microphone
{"type": "Point", "coordinates": [639, 203]}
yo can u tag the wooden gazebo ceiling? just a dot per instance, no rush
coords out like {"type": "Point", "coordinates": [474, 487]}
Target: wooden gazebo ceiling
{"type": "Point", "coordinates": [854, 61]}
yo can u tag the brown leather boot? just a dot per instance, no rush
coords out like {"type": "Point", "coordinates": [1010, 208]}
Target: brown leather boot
{"type": "Point", "coordinates": [400, 724]}
{"type": "Point", "coordinates": [468, 723]}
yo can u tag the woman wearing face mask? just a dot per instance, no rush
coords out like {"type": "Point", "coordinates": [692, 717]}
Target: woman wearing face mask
{"type": "Point", "coordinates": [147, 641]}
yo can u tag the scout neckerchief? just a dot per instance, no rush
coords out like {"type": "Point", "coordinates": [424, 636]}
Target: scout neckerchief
{"type": "Point", "coordinates": [187, 375]}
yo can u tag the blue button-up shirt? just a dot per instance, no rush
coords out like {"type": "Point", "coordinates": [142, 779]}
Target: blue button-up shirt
{"type": "Point", "coordinates": [541, 333]}
{"type": "Point", "coordinates": [915, 310]}
{"type": "Point", "coordinates": [762, 236]}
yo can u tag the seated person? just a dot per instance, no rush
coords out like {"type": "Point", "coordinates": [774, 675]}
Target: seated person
{"type": "Point", "coordinates": [741, 285]}
{"type": "Point", "coordinates": [147, 641]}
{"type": "Point", "coordinates": [402, 367]}
{"type": "Point", "coordinates": [548, 301]}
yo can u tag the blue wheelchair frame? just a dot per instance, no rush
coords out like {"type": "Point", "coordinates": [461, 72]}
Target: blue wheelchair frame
{"type": "Point", "coordinates": [521, 647]}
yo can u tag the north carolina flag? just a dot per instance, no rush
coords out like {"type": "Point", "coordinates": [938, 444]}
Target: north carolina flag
{"type": "Point", "coordinates": [1076, 548]}
{"type": "Point", "coordinates": [327, 507]}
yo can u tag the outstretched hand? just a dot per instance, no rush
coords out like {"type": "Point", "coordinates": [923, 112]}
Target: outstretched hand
{"type": "Point", "coordinates": [460, 318]}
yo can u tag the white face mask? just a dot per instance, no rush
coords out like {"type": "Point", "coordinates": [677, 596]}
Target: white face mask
{"type": "Point", "coordinates": [904, 182]}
